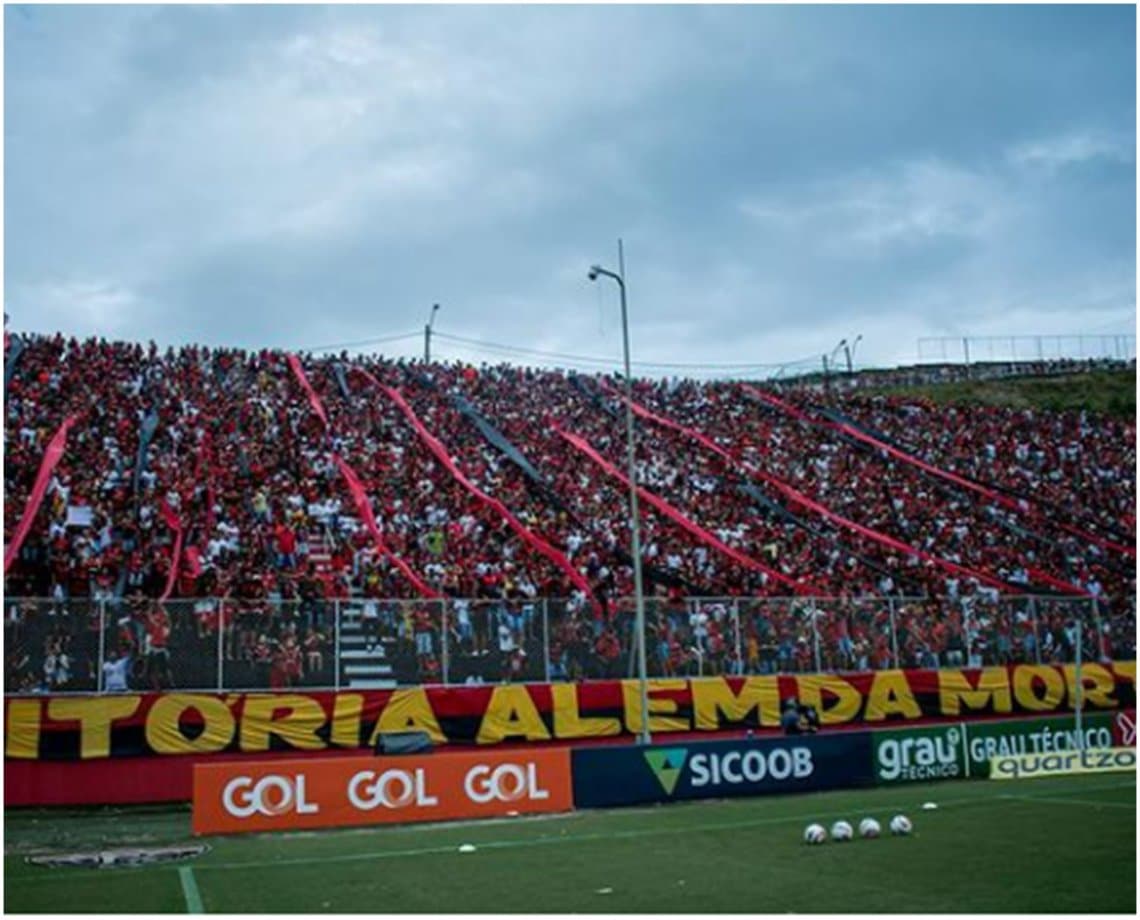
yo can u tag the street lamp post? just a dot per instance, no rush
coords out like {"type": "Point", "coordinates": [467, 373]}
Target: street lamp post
{"type": "Point", "coordinates": [635, 528]}
{"type": "Point", "coordinates": [829, 363]}
{"type": "Point", "coordinates": [427, 333]}
{"type": "Point", "coordinates": [849, 352]}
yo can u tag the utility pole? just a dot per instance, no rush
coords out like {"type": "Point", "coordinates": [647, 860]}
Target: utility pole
{"type": "Point", "coordinates": [427, 334]}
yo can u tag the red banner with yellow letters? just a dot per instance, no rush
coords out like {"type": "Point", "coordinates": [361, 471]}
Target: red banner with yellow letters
{"type": "Point", "coordinates": [134, 725]}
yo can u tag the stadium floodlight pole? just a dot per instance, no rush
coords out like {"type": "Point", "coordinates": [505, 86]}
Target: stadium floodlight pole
{"type": "Point", "coordinates": [427, 333]}
{"type": "Point", "coordinates": [635, 524]}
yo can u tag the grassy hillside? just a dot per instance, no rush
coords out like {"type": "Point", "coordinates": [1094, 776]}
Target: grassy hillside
{"type": "Point", "coordinates": [1108, 392]}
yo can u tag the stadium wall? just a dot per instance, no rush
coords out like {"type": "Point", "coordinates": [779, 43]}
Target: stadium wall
{"type": "Point", "coordinates": [142, 747]}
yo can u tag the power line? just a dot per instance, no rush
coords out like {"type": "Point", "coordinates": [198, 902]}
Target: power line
{"type": "Point", "coordinates": [361, 342]}
{"type": "Point", "coordinates": [590, 359]}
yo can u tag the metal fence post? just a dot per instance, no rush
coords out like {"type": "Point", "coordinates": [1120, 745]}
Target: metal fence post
{"type": "Point", "coordinates": [546, 638]}
{"type": "Point", "coordinates": [102, 645]}
{"type": "Point", "coordinates": [1099, 631]}
{"type": "Point", "coordinates": [221, 644]}
{"type": "Point", "coordinates": [967, 633]}
{"type": "Point", "coordinates": [736, 627]}
{"type": "Point", "coordinates": [443, 637]}
{"type": "Point", "coordinates": [815, 634]}
{"type": "Point", "coordinates": [894, 633]}
{"type": "Point", "coordinates": [336, 644]}
{"type": "Point", "coordinates": [1036, 634]}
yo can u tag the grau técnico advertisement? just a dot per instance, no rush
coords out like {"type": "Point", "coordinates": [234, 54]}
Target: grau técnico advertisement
{"type": "Point", "coordinates": [961, 750]}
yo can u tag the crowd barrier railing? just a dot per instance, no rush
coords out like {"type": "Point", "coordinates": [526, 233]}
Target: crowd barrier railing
{"type": "Point", "coordinates": [221, 644]}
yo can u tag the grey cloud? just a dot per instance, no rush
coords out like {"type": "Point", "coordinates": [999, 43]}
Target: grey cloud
{"type": "Point", "coordinates": [296, 175]}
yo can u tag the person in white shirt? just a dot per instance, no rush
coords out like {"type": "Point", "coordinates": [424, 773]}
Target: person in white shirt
{"type": "Point", "coordinates": [115, 671]}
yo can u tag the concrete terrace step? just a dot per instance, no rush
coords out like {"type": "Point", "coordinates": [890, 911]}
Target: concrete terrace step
{"type": "Point", "coordinates": [367, 670]}
{"type": "Point", "coordinates": [364, 655]}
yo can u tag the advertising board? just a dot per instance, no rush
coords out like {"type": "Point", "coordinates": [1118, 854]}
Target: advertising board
{"type": "Point", "coordinates": [919, 754]}
{"type": "Point", "coordinates": [1066, 763]}
{"type": "Point", "coordinates": [346, 791]}
{"type": "Point", "coordinates": [986, 740]}
{"type": "Point", "coordinates": [629, 775]}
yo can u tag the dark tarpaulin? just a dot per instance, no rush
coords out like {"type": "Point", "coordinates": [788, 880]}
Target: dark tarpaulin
{"type": "Point", "coordinates": [542, 488]}
{"type": "Point", "coordinates": [338, 372]}
{"type": "Point", "coordinates": [579, 384]}
{"type": "Point", "coordinates": [496, 438]}
{"type": "Point", "coordinates": [14, 351]}
{"type": "Point", "coordinates": [146, 435]}
{"type": "Point", "coordinates": [839, 418]}
{"type": "Point", "coordinates": [783, 514]}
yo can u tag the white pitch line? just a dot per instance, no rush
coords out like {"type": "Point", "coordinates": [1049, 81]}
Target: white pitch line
{"type": "Point", "coordinates": [577, 838]}
{"type": "Point", "coordinates": [541, 841]}
{"type": "Point", "coordinates": [509, 844]}
{"type": "Point", "coordinates": [190, 890]}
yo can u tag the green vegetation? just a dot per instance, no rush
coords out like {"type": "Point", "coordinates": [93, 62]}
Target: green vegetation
{"type": "Point", "coordinates": [1032, 846]}
{"type": "Point", "coordinates": [1106, 392]}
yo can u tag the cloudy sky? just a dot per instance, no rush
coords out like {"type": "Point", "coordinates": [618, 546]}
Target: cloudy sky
{"type": "Point", "coordinates": [782, 176]}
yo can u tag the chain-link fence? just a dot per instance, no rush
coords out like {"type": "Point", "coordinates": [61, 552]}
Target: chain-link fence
{"type": "Point", "coordinates": [57, 646]}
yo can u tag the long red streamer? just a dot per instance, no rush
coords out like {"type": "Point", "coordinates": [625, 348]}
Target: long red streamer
{"type": "Point", "coordinates": [172, 521]}
{"type": "Point", "coordinates": [314, 399]}
{"type": "Point", "coordinates": [356, 490]}
{"type": "Point", "coordinates": [674, 515]}
{"type": "Point", "coordinates": [1046, 578]}
{"type": "Point", "coordinates": [52, 456]}
{"type": "Point", "coordinates": [905, 457]}
{"type": "Point", "coordinates": [437, 448]}
{"type": "Point", "coordinates": [799, 498]}
{"type": "Point", "coordinates": [364, 509]}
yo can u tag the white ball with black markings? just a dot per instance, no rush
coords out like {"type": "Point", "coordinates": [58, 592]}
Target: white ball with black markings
{"type": "Point", "coordinates": [841, 831]}
{"type": "Point", "coordinates": [901, 826]}
{"type": "Point", "coordinates": [869, 828]}
{"type": "Point", "coordinates": [814, 834]}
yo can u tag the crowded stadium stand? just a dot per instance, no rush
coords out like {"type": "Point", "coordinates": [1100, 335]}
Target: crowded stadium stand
{"type": "Point", "coordinates": [222, 519]}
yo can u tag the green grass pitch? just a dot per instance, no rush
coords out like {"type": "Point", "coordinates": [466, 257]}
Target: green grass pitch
{"type": "Point", "coordinates": [1032, 846]}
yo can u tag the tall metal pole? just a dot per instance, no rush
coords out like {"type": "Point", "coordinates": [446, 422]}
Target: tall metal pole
{"type": "Point", "coordinates": [644, 736]}
{"type": "Point", "coordinates": [427, 334]}
{"type": "Point", "coordinates": [639, 596]}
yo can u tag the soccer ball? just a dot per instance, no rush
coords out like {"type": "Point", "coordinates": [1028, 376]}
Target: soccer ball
{"type": "Point", "coordinates": [901, 826]}
{"type": "Point", "coordinates": [814, 833]}
{"type": "Point", "coordinates": [841, 831]}
{"type": "Point", "coordinates": [869, 828]}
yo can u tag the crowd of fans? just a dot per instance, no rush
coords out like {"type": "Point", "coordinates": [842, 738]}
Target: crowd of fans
{"type": "Point", "coordinates": [240, 477]}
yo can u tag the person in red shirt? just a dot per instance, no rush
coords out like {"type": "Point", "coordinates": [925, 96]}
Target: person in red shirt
{"type": "Point", "coordinates": [286, 546]}
{"type": "Point", "coordinates": [608, 650]}
{"type": "Point", "coordinates": [157, 653]}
